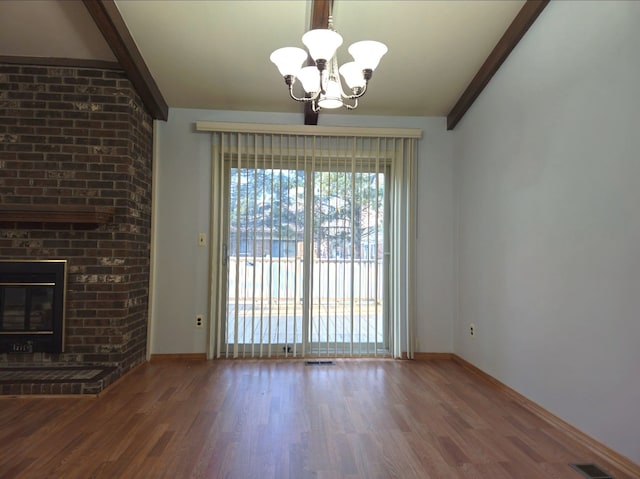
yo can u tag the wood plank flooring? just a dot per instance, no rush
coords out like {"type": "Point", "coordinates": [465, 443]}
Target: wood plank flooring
{"type": "Point", "coordinates": [364, 418]}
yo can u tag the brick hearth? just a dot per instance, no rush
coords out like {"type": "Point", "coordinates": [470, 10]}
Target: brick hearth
{"type": "Point", "coordinates": [81, 136]}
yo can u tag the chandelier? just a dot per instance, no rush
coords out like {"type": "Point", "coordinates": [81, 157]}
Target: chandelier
{"type": "Point", "coordinates": [321, 82]}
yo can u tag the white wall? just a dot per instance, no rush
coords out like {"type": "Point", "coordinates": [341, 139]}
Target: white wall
{"type": "Point", "coordinates": [548, 239]}
{"type": "Point", "coordinates": [182, 209]}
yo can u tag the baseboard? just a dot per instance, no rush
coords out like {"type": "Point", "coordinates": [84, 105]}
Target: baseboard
{"type": "Point", "coordinates": [431, 356]}
{"type": "Point", "coordinates": [181, 356]}
{"type": "Point", "coordinates": [623, 463]}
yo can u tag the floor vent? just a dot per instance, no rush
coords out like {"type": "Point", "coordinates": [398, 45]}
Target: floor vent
{"type": "Point", "coordinates": [591, 471]}
{"type": "Point", "coordinates": [320, 363]}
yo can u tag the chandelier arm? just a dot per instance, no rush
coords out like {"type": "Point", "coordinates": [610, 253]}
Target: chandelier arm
{"type": "Point", "coordinates": [358, 94]}
{"type": "Point", "coordinates": [304, 99]}
{"type": "Point", "coordinates": [351, 107]}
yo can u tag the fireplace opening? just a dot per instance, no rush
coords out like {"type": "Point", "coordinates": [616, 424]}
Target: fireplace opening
{"type": "Point", "coordinates": [32, 297]}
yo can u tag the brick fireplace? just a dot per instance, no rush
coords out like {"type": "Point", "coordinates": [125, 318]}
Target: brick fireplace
{"type": "Point", "coordinates": [75, 185]}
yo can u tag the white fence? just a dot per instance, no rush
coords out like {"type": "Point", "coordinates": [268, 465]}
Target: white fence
{"type": "Point", "coordinates": [271, 279]}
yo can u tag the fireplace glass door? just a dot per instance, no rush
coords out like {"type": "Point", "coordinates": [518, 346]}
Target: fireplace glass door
{"type": "Point", "coordinates": [32, 306]}
{"type": "Point", "coordinates": [27, 308]}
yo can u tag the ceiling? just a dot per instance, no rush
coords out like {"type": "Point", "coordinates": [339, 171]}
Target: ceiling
{"type": "Point", "coordinates": [215, 54]}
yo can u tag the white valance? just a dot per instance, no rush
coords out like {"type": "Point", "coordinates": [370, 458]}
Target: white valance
{"type": "Point", "coordinates": [308, 130]}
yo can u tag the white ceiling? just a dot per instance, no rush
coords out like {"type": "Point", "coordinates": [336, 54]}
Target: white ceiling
{"type": "Point", "coordinates": [215, 54]}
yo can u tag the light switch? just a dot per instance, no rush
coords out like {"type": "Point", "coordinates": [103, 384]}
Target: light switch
{"type": "Point", "coordinates": [202, 239]}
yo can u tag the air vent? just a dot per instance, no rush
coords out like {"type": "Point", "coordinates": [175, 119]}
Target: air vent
{"type": "Point", "coordinates": [591, 471]}
{"type": "Point", "coordinates": [320, 363]}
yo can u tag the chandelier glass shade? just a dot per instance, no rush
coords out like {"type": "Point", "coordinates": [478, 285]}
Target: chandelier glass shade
{"type": "Point", "coordinates": [321, 81]}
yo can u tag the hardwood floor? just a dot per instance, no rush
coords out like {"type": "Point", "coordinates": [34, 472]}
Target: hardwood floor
{"type": "Point", "coordinates": [365, 418]}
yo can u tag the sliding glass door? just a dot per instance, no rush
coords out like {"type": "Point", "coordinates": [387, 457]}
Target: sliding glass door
{"type": "Point", "coordinates": [303, 256]}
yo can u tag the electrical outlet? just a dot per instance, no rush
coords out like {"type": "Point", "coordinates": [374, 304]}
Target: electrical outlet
{"type": "Point", "coordinates": [199, 320]}
{"type": "Point", "coordinates": [472, 329]}
{"type": "Point", "coordinates": [202, 239]}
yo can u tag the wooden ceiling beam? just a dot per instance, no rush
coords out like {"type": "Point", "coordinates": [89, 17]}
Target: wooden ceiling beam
{"type": "Point", "coordinates": [521, 23]}
{"type": "Point", "coordinates": [319, 19]}
{"type": "Point", "coordinates": [320, 14]}
{"type": "Point", "coordinates": [107, 17]}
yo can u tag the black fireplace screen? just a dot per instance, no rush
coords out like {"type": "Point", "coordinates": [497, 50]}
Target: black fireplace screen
{"type": "Point", "coordinates": [32, 306]}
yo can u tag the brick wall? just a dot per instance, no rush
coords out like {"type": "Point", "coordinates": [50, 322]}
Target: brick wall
{"type": "Point", "coordinates": [82, 136]}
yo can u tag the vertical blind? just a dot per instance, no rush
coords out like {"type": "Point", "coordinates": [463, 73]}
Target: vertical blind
{"type": "Point", "coordinates": [312, 238]}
